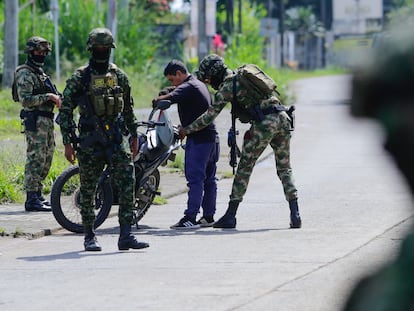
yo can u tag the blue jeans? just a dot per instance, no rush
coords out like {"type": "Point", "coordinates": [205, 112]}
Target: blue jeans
{"type": "Point", "coordinates": [200, 171]}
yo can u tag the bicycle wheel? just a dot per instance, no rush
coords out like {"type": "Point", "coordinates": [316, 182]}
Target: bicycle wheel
{"type": "Point", "coordinates": [144, 195]}
{"type": "Point", "coordinates": [65, 201]}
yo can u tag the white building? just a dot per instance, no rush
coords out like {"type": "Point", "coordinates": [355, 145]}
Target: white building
{"type": "Point", "coordinates": [352, 17]}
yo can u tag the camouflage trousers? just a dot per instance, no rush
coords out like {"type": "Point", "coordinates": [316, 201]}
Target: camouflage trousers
{"type": "Point", "coordinates": [40, 145]}
{"type": "Point", "coordinates": [123, 181]}
{"type": "Point", "coordinates": [273, 130]}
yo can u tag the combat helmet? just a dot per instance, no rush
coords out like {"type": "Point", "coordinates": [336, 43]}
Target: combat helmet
{"type": "Point", "coordinates": [211, 66]}
{"type": "Point", "coordinates": [37, 43]}
{"type": "Point", "coordinates": [101, 37]}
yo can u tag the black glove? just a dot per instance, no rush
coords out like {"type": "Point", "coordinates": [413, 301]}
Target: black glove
{"type": "Point", "coordinates": [166, 90]}
{"type": "Point", "coordinates": [155, 103]}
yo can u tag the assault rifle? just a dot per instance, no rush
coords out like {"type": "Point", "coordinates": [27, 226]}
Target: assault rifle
{"type": "Point", "coordinates": [232, 134]}
{"type": "Point", "coordinates": [232, 142]}
{"type": "Point", "coordinates": [52, 87]}
{"type": "Point", "coordinates": [49, 84]}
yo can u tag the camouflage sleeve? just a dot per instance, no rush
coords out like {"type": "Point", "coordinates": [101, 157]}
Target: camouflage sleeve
{"type": "Point", "coordinates": [71, 92]}
{"type": "Point", "coordinates": [221, 98]}
{"type": "Point", "coordinates": [26, 82]}
{"type": "Point", "coordinates": [128, 112]}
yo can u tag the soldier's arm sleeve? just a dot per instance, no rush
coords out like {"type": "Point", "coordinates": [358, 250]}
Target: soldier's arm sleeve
{"type": "Point", "coordinates": [128, 113]}
{"type": "Point", "coordinates": [25, 83]}
{"type": "Point", "coordinates": [71, 92]}
{"type": "Point", "coordinates": [209, 115]}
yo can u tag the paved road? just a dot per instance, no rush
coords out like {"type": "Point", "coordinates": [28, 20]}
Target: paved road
{"type": "Point", "coordinates": [355, 209]}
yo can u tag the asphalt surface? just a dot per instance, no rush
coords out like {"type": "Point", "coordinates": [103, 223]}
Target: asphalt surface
{"type": "Point", "coordinates": [355, 209]}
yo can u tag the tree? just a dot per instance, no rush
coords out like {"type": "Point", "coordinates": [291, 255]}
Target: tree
{"type": "Point", "coordinates": [403, 16]}
{"type": "Point", "coordinates": [10, 42]}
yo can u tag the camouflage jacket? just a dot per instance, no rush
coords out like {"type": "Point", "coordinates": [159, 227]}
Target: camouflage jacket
{"type": "Point", "coordinates": [75, 88]}
{"type": "Point", "coordinates": [223, 96]}
{"type": "Point", "coordinates": [32, 91]}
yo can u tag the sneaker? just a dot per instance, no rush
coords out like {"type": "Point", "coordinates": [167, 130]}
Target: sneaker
{"type": "Point", "coordinates": [206, 221]}
{"type": "Point", "coordinates": [185, 224]}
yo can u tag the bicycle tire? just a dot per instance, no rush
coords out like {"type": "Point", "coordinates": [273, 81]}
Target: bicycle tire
{"type": "Point", "coordinates": [65, 203]}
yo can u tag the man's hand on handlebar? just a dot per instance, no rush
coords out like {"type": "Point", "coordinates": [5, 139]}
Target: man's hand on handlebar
{"type": "Point", "coordinates": [163, 94]}
{"type": "Point", "coordinates": [182, 132]}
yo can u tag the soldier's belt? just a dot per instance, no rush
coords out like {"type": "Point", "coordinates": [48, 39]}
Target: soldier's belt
{"type": "Point", "coordinates": [46, 114]}
{"type": "Point", "coordinates": [273, 109]}
{"type": "Point", "coordinates": [36, 113]}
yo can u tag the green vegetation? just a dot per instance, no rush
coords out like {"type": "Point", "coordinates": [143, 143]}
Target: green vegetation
{"type": "Point", "coordinates": [12, 153]}
{"type": "Point", "coordinates": [178, 163]}
{"type": "Point", "coordinates": [158, 200]}
{"type": "Point", "coordinates": [136, 54]}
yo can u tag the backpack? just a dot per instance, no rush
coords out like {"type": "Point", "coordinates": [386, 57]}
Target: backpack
{"type": "Point", "coordinates": [257, 83]}
{"type": "Point", "coordinates": [15, 96]}
{"type": "Point", "coordinates": [257, 86]}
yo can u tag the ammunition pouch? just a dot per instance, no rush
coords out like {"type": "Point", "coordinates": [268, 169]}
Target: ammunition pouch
{"type": "Point", "coordinates": [106, 96]}
{"type": "Point", "coordinates": [258, 114]}
{"type": "Point", "coordinates": [279, 108]}
{"type": "Point", "coordinates": [241, 113]}
{"type": "Point", "coordinates": [29, 118]}
{"type": "Point", "coordinates": [107, 102]}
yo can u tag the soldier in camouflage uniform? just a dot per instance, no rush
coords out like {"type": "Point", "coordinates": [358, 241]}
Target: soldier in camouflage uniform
{"type": "Point", "coordinates": [382, 90]}
{"type": "Point", "coordinates": [38, 96]}
{"type": "Point", "coordinates": [102, 93]}
{"type": "Point", "coordinates": [274, 129]}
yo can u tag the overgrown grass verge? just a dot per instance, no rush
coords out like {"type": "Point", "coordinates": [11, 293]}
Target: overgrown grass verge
{"type": "Point", "coordinates": [12, 162]}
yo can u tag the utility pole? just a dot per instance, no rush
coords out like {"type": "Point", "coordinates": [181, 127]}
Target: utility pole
{"type": "Point", "coordinates": [240, 16]}
{"type": "Point", "coordinates": [202, 36]}
{"type": "Point", "coordinates": [111, 21]}
{"type": "Point", "coordinates": [282, 31]}
{"type": "Point", "coordinates": [55, 12]}
{"type": "Point", "coordinates": [324, 22]}
{"type": "Point", "coordinates": [11, 38]}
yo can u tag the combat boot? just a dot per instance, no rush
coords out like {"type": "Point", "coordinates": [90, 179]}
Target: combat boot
{"type": "Point", "coordinates": [33, 203]}
{"type": "Point", "coordinates": [228, 220]}
{"type": "Point", "coordinates": [295, 221]}
{"type": "Point", "coordinates": [91, 242]}
{"type": "Point", "coordinates": [127, 240]}
{"type": "Point", "coordinates": [42, 198]}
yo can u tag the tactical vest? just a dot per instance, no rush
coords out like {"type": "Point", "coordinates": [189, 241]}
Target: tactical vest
{"type": "Point", "coordinates": [42, 87]}
{"type": "Point", "coordinates": [106, 96]}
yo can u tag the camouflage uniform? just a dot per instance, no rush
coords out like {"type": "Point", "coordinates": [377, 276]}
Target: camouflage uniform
{"type": "Point", "coordinates": [33, 95]}
{"type": "Point", "coordinates": [275, 130]}
{"type": "Point", "coordinates": [90, 166]}
{"type": "Point", "coordinates": [111, 108]}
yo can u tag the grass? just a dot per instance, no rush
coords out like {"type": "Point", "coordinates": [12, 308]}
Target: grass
{"type": "Point", "coordinates": [159, 200]}
{"type": "Point", "coordinates": [178, 163]}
